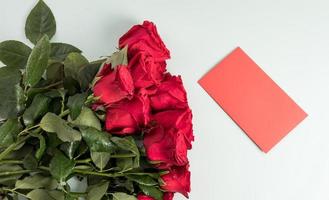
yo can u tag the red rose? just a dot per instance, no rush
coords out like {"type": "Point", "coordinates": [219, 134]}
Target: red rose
{"type": "Point", "coordinates": [178, 120]}
{"type": "Point", "coordinates": [128, 116]}
{"type": "Point", "coordinates": [144, 197]}
{"type": "Point", "coordinates": [145, 38]}
{"type": "Point", "coordinates": [114, 85]}
{"type": "Point", "coordinates": [170, 94]}
{"type": "Point", "coordinates": [145, 70]}
{"type": "Point", "coordinates": [169, 140]}
{"type": "Point", "coordinates": [177, 180]}
{"type": "Point", "coordinates": [166, 196]}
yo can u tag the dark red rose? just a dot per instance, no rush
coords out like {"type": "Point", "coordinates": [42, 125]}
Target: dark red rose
{"type": "Point", "coordinates": [144, 197]}
{"type": "Point", "coordinates": [167, 142]}
{"type": "Point", "coordinates": [177, 180]}
{"type": "Point", "coordinates": [178, 120]}
{"type": "Point", "coordinates": [145, 38]}
{"type": "Point", "coordinates": [128, 115]}
{"type": "Point", "coordinates": [165, 146]}
{"type": "Point", "coordinates": [145, 70]}
{"type": "Point", "coordinates": [168, 196]}
{"type": "Point", "coordinates": [170, 94]}
{"type": "Point", "coordinates": [114, 85]}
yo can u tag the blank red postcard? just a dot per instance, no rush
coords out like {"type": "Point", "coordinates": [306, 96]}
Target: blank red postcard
{"type": "Point", "coordinates": [252, 99]}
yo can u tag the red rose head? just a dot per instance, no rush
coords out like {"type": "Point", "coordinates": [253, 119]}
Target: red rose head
{"type": "Point", "coordinates": [129, 115]}
{"type": "Point", "coordinates": [145, 38]}
{"type": "Point", "coordinates": [177, 180]}
{"type": "Point", "coordinates": [114, 84]}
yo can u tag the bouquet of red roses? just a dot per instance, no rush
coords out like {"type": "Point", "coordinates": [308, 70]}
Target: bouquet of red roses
{"type": "Point", "coordinates": [119, 127]}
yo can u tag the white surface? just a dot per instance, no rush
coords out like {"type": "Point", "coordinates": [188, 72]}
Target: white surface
{"type": "Point", "coordinates": [287, 38]}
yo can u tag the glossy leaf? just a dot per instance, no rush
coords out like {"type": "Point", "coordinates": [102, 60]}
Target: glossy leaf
{"type": "Point", "coordinates": [10, 93]}
{"type": "Point", "coordinates": [61, 167]}
{"type": "Point", "coordinates": [97, 141]}
{"type": "Point", "coordinates": [87, 118]}
{"type": "Point", "coordinates": [73, 63]}
{"type": "Point", "coordinates": [9, 131]}
{"type": "Point", "coordinates": [39, 22]}
{"type": "Point", "coordinates": [36, 110]}
{"type": "Point", "coordinates": [43, 194]}
{"type": "Point", "coordinates": [59, 51]}
{"type": "Point", "coordinates": [35, 182]}
{"type": "Point", "coordinates": [96, 192]}
{"type": "Point", "coordinates": [75, 104]}
{"type": "Point", "coordinates": [143, 180]}
{"type": "Point", "coordinates": [100, 159]}
{"type": "Point", "coordinates": [152, 191]}
{"type": "Point", "coordinates": [123, 196]}
{"type": "Point", "coordinates": [37, 62]}
{"type": "Point", "coordinates": [128, 144]}
{"type": "Point", "coordinates": [14, 53]}
{"type": "Point", "coordinates": [10, 179]}
{"type": "Point", "coordinates": [54, 124]}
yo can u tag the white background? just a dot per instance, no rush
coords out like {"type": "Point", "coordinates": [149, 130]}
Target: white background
{"type": "Point", "coordinates": [289, 39]}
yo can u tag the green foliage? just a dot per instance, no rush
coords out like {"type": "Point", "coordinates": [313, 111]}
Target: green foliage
{"type": "Point", "coordinates": [40, 21]}
{"type": "Point", "coordinates": [49, 133]}
{"type": "Point", "coordinates": [61, 167]}
{"type": "Point", "coordinates": [37, 62]}
{"type": "Point", "coordinates": [14, 53]}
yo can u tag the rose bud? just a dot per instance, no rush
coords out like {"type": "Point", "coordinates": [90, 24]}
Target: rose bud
{"type": "Point", "coordinates": [177, 180]}
{"type": "Point", "coordinates": [145, 38]}
{"type": "Point", "coordinates": [114, 84]}
{"type": "Point", "coordinates": [170, 94]}
{"type": "Point", "coordinates": [128, 115]}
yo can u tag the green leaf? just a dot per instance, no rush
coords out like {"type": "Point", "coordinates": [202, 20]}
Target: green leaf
{"type": "Point", "coordinates": [11, 179]}
{"type": "Point", "coordinates": [123, 196]}
{"type": "Point", "coordinates": [96, 192]}
{"type": "Point", "coordinates": [30, 162]}
{"type": "Point", "coordinates": [87, 118]}
{"type": "Point", "coordinates": [54, 124]}
{"type": "Point", "coordinates": [59, 51]}
{"type": "Point", "coordinates": [75, 104]}
{"type": "Point", "coordinates": [97, 141]}
{"type": "Point", "coordinates": [152, 191]}
{"type": "Point", "coordinates": [36, 110]}
{"type": "Point", "coordinates": [55, 72]}
{"type": "Point", "coordinates": [61, 167]}
{"type": "Point", "coordinates": [10, 93]}
{"type": "Point", "coordinates": [35, 182]}
{"type": "Point", "coordinates": [143, 180]}
{"type": "Point", "coordinates": [42, 194]}
{"type": "Point", "coordinates": [125, 164]}
{"type": "Point", "coordinates": [119, 57]}
{"type": "Point", "coordinates": [73, 63]}
{"type": "Point", "coordinates": [128, 144]}
{"type": "Point", "coordinates": [14, 53]}
{"type": "Point", "coordinates": [100, 159]}
{"type": "Point", "coordinates": [9, 131]}
{"type": "Point", "coordinates": [40, 21]}
{"type": "Point", "coordinates": [69, 148]}
{"type": "Point", "coordinates": [37, 62]}
{"type": "Point", "coordinates": [87, 75]}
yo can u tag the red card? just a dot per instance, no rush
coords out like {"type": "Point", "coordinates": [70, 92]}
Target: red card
{"type": "Point", "coordinates": [252, 99]}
